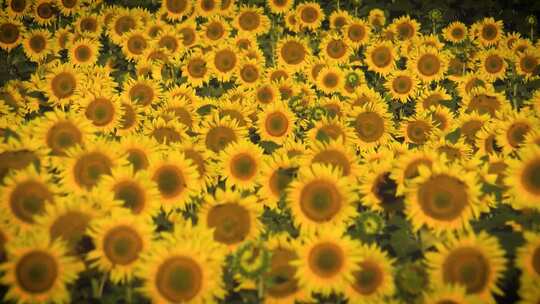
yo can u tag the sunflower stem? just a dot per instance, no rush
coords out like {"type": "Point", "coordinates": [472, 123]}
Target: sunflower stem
{"type": "Point", "coordinates": [129, 293]}
{"type": "Point", "coordinates": [338, 5]}
{"type": "Point", "coordinates": [260, 288]}
{"type": "Point", "coordinates": [532, 33]}
{"type": "Point", "coordinates": [514, 97]}
{"type": "Point", "coordinates": [102, 284]}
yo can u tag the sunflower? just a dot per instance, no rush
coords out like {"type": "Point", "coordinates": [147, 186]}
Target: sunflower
{"type": "Point", "coordinates": [280, 6]}
{"type": "Point", "coordinates": [237, 108]}
{"type": "Point", "coordinates": [164, 129]}
{"type": "Point", "coordinates": [475, 261]}
{"type": "Point", "coordinates": [373, 279]}
{"type": "Point", "coordinates": [134, 43]}
{"type": "Point", "coordinates": [330, 80]}
{"type": "Point", "coordinates": [216, 31]}
{"type": "Point", "coordinates": [24, 194]}
{"type": "Point", "coordinates": [185, 272]}
{"type": "Point", "coordinates": [492, 64]}
{"type": "Point", "coordinates": [240, 164]}
{"type": "Point", "coordinates": [528, 260]}
{"type": "Point", "coordinates": [488, 32]}
{"type": "Point", "coordinates": [62, 84]}
{"type": "Point", "coordinates": [513, 127]}
{"type": "Point", "coordinates": [292, 53]}
{"type": "Point", "coordinates": [335, 49]}
{"type": "Point", "coordinates": [309, 15]}
{"type": "Point", "coordinates": [11, 33]}
{"type": "Point", "coordinates": [357, 33]}
{"type": "Point", "coordinates": [291, 21]}
{"type": "Point", "coordinates": [134, 189]}
{"type": "Point", "coordinates": [417, 129]}
{"type": "Point", "coordinates": [224, 62]}
{"type": "Point", "coordinates": [131, 119]}
{"type": "Point", "coordinates": [429, 64]}
{"type": "Point", "coordinates": [249, 73]}
{"type": "Point", "coordinates": [468, 82]}
{"type": "Point", "coordinates": [120, 240]}
{"type": "Point", "coordinates": [523, 180]}
{"type": "Point", "coordinates": [195, 151]}
{"type": "Point", "coordinates": [59, 131]}
{"type": "Point", "coordinates": [251, 20]}
{"type": "Point", "coordinates": [103, 110]}
{"type": "Point", "coordinates": [89, 25]}
{"type": "Point", "coordinates": [17, 154]}
{"type": "Point", "coordinates": [266, 93]}
{"type": "Point", "coordinates": [450, 293]}
{"type": "Point", "coordinates": [455, 32]}
{"type": "Point", "coordinates": [68, 7]}
{"type": "Point", "coordinates": [44, 12]}
{"type": "Point", "coordinates": [217, 133]}
{"type": "Point", "coordinates": [320, 198]}
{"type": "Point", "coordinates": [207, 8]}
{"type": "Point", "coordinates": [443, 119]}
{"type": "Point", "coordinates": [176, 178]}
{"type": "Point", "coordinates": [433, 97]}
{"type": "Point", "coordinates": [376, 18]}
{"type": "Point", "coordinates": [372, 125]}
{"type": "Point", "coordinates": [333, 153]}
{"type": "Point", "coordinates": [276, 122]}
{"type": "Point", "coordinates": [37, 44]}
{"type": "Point", "coordinates": [83, 167]}
{"type": "Point", "coordinates": [470, 124]}
{"type": "Point", "coordinates": [402, 85]}
{"type": "Point", "coordinates": [143, 92]}
{"type": "Point", "coordinates": [67, 219]}
{"type": "Point", "coordinates": [233, 217]}
{"type": "Point", "coordinates": [381, 57]}
{"type": "Point", "coordinates": [196, 69]}
{"type": "Point", "coordinates": [326, 262]}
{"type": "Point", "coordinates": [486, 101]}
{"type": "Point", "coordinates": [17, 9]}
{"type": "Point", "coordinates": [332, 128]}
{"type": "Point", "coordinates": [283, 285]}
{"type": "Point", "coordinates": [138, 150]}
{"type": "Point", "coordinates": [406, 28]}
{"type": "Point", "coordinates": [527, 63]}
{"type": "Point", "coordinates": [176, 9]}
{"type": "Point", "coordinates": [277, 172]}
{"type": "Point", "coordinates": [443, 197]}
{"type": "Point", "coordinates": [39, 271]}
{"type": "Point", "coordinates": [122, 21]}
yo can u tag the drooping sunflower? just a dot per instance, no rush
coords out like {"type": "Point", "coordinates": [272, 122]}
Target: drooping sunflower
{"type": "Point", "coordinates": [176, 178]}
{"type": "Point", "coordinates": [217, 133]}
{"type": "Point", "coordinates": [402, 85]}
{"type": "Point", "coordinates": [252, 20]}
{"type": "Point", "coordinates": [429, 64]}
{"type": "Point", "coordinates": [372, 125]}
{"type": "Point", "coordinates": [309, 15]}
{"type": "Point", "coordinates": [83, 167]}
{"type": "Point", "coordinates": [485, 100]}
{"type": "Point", "coordinates": [195, 151]}
{"type": "Point", "coordinates": [523, 178]}
{"type": "Point", "coordinates": [120, 240]}
{"type": "Point", "coordinates": [233, 216]}
{"type": "Point", "coordinates": [24, 194]}
{"type": "Point", "coordinates": [443, 119]}
{"type": "Point", "coordinates": [176, 9]}
{"type": "Point", "coordinates": [39, 271]}
{"type": "Point", "coordinates": [240, 164]}
{"type": "Point", "coordinates": [38, 44]}
{"type": "Point", "coordinates": [292, 53]}
{"type": "Point", "coordinates": [277, 172]}
{"type": "Point", "coordinates": [326, 261]}
{"type": "Point", "coordinates": [492, 64]}
{"type": "Point", "coordinates": [475, 261]}
{"type": "Point", "coordinates": [406, 28]}
{"type": "Point", "coordinates": [164, 130]}
{"type": "Point", "coordinates": [276, 122]}
{"type": "Point", "coordinates": [332, 128]}
{"type": "Point", "coordinates": [185, 272]}
{"type": "Point", "coordinates": [335, 49]}
{"type": "Point", "coordinates": [455, 32]}
{"type": "Point", "coordinates": [443, 197]}
{"type": "Point", "coordinates": [373, 279]}
{"type": "Point", "coordinates": [320, 198]}
{"type": "Point", "coordinates": [11, 33]}
{"type": "Point", "coordinates": [381, 57]}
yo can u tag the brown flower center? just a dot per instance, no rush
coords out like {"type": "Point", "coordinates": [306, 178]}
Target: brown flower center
{"type": "Point", "coordinates": [63, 135]}
{"type": "Point", "coordinates": [326, 259]}
{"type": "Point", "coordinates": [243, 166]}
{"type": "Point", "coordinates": [249, 73]}
{"type": "Point", "coordinates": [70, 227]}
{"type": "Point", "coordinates": [219, 137]}
{"type": "Point", "coordinates": [516, 133]}
{"type": "Point", "coordinates": [28, 199]}
{"type": "Point", "coordinates": [249, 20]}
{"type": "Point", "coordinates": [170, 181]}
{"type": "Point", "coordinates": [232, 223]}
{"type": "Point", "coordinates": [89, 167]}
{"type": "Point", "coordinates": [489, 32]}
{"type": "Point", "coordinates": [124, 24]}
{"type": "Point", "coordinates": [528, 63]}
{"type": "Point", "coordinates": [356, 32]}
{"type": "Point", "coordinates": [100, 111]}
{"type": "Point", "coordinates": [179, 279]}
{"type": "Point", "coordinates": [369, 278]}
{"type": "Point", "coordinates": [122, 245]}
{"type": "Point", "coordinates": [381, 56]}
{"type": "Point", "coordinates": [18, 6]}
{"type": "Point", "coordinates": [494, 64]}
{"type": "Point", "coordinates": [276, 124]}
{"type": "Point", "coordinates": [45, 10]}
{"type": "Point", "coordinates": [225, 60]}
{"type": "Point", "coordinates": [530, 177]}
{"type": "Point", "coordinates": [63, 85]}
{"type": "Point", "coordinates": [136, 44]}
{"type": "Point", "coordinates": [281, 274]}
{"type": "Point", "coordinates": [429, 65]}
{"type": "Point", "coordinates": [142, 94]}
{"type": "Point", "coordinates": [176, 6]}
{"type": "Point", "coordinates": [467, 266]}
{"type": "Point", "coordinates": [334, 158]}
{"type": "Point", "coordinates": [369, 126]}
{"type": "Point", "coordinates": [9, 33]}
{"type": "Point", "coordinates": [320, 200]}
{"type": "Point", "coordinates": [418, 131]}
{"type": "Point", "coordinates": [402, 85]}
{"type": "Point", "coordinates": [293, 52]}
{"type": "Point", "coordinates": [443, 197]}
{"type": "Point", "coordinates": [196, 67]}
{"type": "Point", "coordinates": [215, 30]}
{"type": "Point", "coordinates": [336, 49]}
{"type": "Point", "coordinates": [129, 117]}
{"type": "Point", "coordinates": [36, 272]}
{"type": "Point", "coordinates": [137, 158]}
{"type": "Point", "coordinates": [131, 194]}
{"type": "Point", "coordinates": [37, 43]}
{"type": "Point", "coordinates": [309, 14]}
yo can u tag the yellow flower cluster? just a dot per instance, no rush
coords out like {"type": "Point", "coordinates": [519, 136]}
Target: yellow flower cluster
{"type": "Point", "coordinates": [148, 146]}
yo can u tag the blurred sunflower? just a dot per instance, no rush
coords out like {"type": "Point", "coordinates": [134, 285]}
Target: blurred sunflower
{"type": "Point", "coordinates": [197, 69]}
{"type": "Point", "coordinates": [11, 33]}
{"type": "Point", "coordinates": [335, 49]}
{"type": "Point", "coordinates": [309, 15]}
{"type": "Point", "coordinates": [176, 9]}
{"type": "Point", "coordinates": [475, 261]}
{"type": "Point", "coordinates": [252, 20]}
{"type": "Point", "coordinates": [44, 12]}
{"type": "Point", "coordinates": [492, 64]}
{"type": "Point", "coordinates": [381, 57]}
{"type": "Point", "coordinates": [217, 133]}
{"type": "Point", "coordinates": [455, 32]}
{"type": "Point", "coordinates": [406, 28]}
{"type": "Point", "coordinates": [523, 178]}
{"type": "Point", "coordinates": [528, 260]}
{"type": "Point", "coordinates": [37, 44]}
{"type": "Point", "coordinates": [280, 6]}
{"type": "Point", "coordinates": [333, 153]}
{"type": "Point", "coordinates": [512, 129]}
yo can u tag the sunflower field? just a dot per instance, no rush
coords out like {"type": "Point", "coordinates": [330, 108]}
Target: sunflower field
{"type": "Point", "coordinates": [269, 151]}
